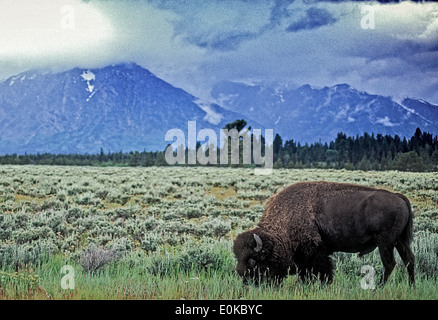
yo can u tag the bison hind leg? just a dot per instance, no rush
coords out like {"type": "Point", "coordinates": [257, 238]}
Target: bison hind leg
{"type": "Point", "coordinates": [408, 258]}
{"type": "Point", "coordinates": [388, 260]}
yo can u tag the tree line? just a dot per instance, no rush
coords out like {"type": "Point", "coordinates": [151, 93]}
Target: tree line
{"type": "Point", "coordinates": [364, 152]}
{"type": "Point", "coordinates": [122, 159]}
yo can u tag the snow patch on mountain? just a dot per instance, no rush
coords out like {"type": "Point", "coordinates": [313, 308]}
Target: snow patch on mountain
{"type": "Point", "coordinates": [88, 76]}
{"type": "Point", "coordinates": [280, 95]}
{"type": "Point", "coordinates": [91, 95]}
{"type": "Point", "coordinates": [412, 110]}
{"type": "Point", "coordinates": [226, 99]}
{"type": "Point", "coordinates": [343, 112]}
{"type": "Point", "coordinates": [408, 109]}
{"type": "Point", "coordinates": [211, 115]}
{"type": "Point", "coordinates": [386, 122]}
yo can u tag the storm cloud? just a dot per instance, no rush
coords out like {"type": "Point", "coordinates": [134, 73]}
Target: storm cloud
{"type": "Point", "coordinates": [314, 18]}
{"type": "Point", "coordinates": [194, 44]}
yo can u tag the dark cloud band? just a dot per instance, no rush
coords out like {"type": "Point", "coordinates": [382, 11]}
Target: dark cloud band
{"type": "Point", "coordinates": [315, 18]}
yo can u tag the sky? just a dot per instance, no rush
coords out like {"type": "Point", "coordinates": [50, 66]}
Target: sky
{"type": "Point", "coordinates": [382, 48]}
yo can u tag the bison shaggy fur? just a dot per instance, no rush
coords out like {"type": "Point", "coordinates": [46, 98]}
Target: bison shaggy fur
{"type": "Point", "coordinates": [308, 221]}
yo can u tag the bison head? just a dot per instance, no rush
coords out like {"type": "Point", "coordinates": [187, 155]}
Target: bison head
{"type": "Point", "coordinates": [253, 250]}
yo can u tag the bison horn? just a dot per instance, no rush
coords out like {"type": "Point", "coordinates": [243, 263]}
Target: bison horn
{"type": "Point", "coordinates": [258, 242]}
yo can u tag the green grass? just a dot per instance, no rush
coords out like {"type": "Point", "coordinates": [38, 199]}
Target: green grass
{"type": "Point", "coordinates": [123, 280]}
{"type": "Point", "coordinates": [169, 232]}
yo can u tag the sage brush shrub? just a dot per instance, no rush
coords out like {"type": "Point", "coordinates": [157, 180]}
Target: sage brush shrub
{"type": "Point", "coordinates": [28, 235]}
{"type": "Point", "coordinates": [197, 258]}
{"type": "Point", "coordinates": [151, 241]}
{"type": "Point", "coordinates": [124, 213]}
{"type": "Point", "coordinates": [116, 197]}
{"type": "Point", "coordinates": [194, 257]}
{"type": "Point", "coordinates": [121, 245]}
{"type": "Point", "coordinates": [425, 248]}
{"type": "Point", "coordinates": [193, 212]}
{"type": "Point", "coordinates": [95, 257]}
{"type": "Point", "coordinates": [208, 255]}
{"type": "Point", "coordinates": [6, 226]}
{"type": "Point", "coordinates": [23, 255]}
{"type": "Point", "coordinates": [217, 227]}
{"type": "Point", "coordinates": [164, 264]}
{"type": "Point", "coordinates": [55, 220]}
{"type": "Point", "coordinates": [150, 199]}
{"type": "Point", "coordinates": [74, 214]}
{"type": "Point", "coordinates": [424, 223]}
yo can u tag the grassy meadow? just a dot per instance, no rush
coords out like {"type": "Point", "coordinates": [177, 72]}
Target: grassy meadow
{"type": "Point", "coordinates": [167, 233]}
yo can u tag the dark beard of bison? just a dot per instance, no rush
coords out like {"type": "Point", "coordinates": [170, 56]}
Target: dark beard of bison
{"type": "Point", "coordinates": [260, 258]}
{"type": "Point", "coordinates": [263, 258]}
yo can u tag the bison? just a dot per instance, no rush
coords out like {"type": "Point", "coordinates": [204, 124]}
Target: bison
{"type": "Point", "coordinates": [308, 221]}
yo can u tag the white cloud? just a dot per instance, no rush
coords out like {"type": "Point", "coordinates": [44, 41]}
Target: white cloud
{"type": "Point", "coordinates": [50, 28]}
{"type": "Point", "coordinates": [193, 44]}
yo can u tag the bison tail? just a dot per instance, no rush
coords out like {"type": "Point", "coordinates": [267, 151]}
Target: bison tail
{"type": "Point", "coordinates": [408, 232]}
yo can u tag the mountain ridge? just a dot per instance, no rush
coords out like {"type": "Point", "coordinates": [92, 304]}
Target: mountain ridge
{"type": "Point", "coordinates": [118, 107]}
{"type": "Point", "coordinates": [308, 114]}
{"type": "Point", "coordinates": [125, 107]}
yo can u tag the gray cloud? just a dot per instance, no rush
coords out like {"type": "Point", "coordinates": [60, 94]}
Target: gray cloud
{"type": "Point", "coordinates": [193, 44]}
{"type": "Point", "coordinates": [218, 25]}
{"type": "Point", "coordinates": [224, 42]}
{"type": "Point", "coordinates": [280, 11]}
{"type": "Point", "coordinates": [315, 18]}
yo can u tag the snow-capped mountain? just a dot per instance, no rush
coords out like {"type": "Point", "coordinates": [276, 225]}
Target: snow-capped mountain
{"type": "Point", "coordinates": [119, 107]}
{"type": "Point", "coordinates": [125, 108]}
{"type": "Point", "coordinates": [308, 114]}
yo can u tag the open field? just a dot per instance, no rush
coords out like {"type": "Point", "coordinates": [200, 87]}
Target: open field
{"type": "Point", "coordinates": [167, 232]}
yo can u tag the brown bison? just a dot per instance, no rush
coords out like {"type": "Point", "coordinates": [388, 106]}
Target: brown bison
{"type": "Point", "coordinates": [305, 223]}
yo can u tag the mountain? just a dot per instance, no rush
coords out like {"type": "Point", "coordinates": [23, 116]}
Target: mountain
{"type": "Point", "coordinates": [308, 114]}
{"type": "Point", "coordinates": [119, 107]}
{"type": "Point", "coordinates": [125, 107]}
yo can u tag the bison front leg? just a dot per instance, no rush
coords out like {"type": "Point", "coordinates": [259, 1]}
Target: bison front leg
{"type": "Point", "coordinates": [323, 268]}
{"type": "Point", "coordinates": [319, 266]}
{"type": "Point", "coordinates": [388, 260]}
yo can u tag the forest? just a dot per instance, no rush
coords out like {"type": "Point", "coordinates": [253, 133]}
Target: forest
{"type": "Point", "coordinates": [365, 152]}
